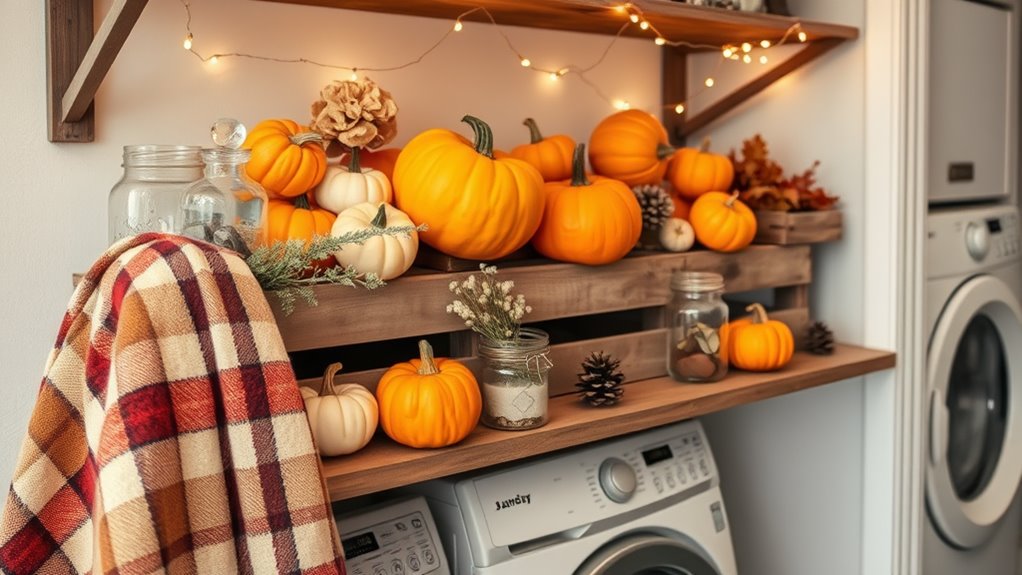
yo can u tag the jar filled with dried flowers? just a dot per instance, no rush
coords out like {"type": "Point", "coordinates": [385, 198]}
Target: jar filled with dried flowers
{"type": "Point", "coordinates": [514, 380]}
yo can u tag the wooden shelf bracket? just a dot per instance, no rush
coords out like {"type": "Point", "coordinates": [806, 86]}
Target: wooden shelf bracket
{"type": "Point", "coordinates": [77, 61]}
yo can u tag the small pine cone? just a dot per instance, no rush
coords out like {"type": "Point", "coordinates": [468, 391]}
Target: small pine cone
{"type": "Point", "coordinates": [821, 339]}
{"type": "Point", "coordinates": [656, 205]}
{"type": "Point", "coordinates": [600, 381]}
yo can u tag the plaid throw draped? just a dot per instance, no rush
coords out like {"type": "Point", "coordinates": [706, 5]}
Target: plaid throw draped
{"type": "Point", "coordinates": [169, 435]}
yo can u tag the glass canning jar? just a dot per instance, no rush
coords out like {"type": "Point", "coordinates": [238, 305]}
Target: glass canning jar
{"type": "Point", "coordinates": [147, 196]}
{"type": "Point", "coordinates": [514, 380]}
{"type": "Point", "coordinates": [695, 315]}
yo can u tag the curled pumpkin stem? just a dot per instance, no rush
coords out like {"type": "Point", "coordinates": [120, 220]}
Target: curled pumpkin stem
{"type": "Point", "coordinates": [759, 314]}
{"type": "Point", "coordinates": [427, 365]}
{"type": "Point", "coordinates": [578, 167]}
{"type": "Point", "coordinates": [704, 146]}
{"type": "Point", "coordinates": [535, 136]}
{"type": "Point", "coordinates": [731, 201]}
{"type": "Point", "coordinates": [328, 378]}
{"type": "Point", "coordinates": [303, 138]}
{"type": "Point", "coordinates": [483, 135]}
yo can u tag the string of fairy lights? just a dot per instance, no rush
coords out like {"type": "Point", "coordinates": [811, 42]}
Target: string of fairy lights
{"type": "Point", "coordinates": [631, 13]}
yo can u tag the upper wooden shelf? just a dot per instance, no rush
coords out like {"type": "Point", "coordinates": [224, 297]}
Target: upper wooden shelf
{"type": "Point", "coordinates": [676, 21]}
{"type": "Point", "coordinates": [384, 464]}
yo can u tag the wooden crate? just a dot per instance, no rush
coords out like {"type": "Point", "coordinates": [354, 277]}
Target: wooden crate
{"type": "Point", "coordinates": [789, 228]}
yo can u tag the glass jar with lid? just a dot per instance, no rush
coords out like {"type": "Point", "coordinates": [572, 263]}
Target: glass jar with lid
{"type": "Point", "coordinates": [226, 206]}
{"type": "Point", "coordinates": [514, 380]}
{"type": "Point", "coordinates": [695, 316]}
{"type": "Point", "coordinates": [147, 196]}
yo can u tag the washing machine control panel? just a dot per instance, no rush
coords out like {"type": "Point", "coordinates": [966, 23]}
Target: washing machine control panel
{"type": "Point", "coordinates": [963, 241]}
{"type": "Point", "coordinates": [397, 538]}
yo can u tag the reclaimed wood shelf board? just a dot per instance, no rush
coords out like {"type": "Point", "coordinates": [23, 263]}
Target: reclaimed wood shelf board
{"type": "Point", "coordinates": [791, 228]}
{"type": "Point", "coordinates": [384, 464]}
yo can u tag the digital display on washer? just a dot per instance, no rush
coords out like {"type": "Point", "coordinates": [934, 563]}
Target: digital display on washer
{"type": "Point", "coordinates": [359, 545]}
{"type": "Point", "coordinates": [657, 454]}
{"type": "Point", "coordinates": [994, 226]}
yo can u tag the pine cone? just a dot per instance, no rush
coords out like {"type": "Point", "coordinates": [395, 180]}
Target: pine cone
{"type": "Point", "coordinates": [821, 339]}
{"type": "Point", "coordinates": [600, 382]}
{"type": "Point", "coordinates": [656, 205]}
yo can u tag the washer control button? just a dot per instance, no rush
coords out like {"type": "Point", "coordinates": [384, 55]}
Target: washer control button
{"type": "Point", "coordinates": [977, 241]}
{"type": "Point", "coordinates": [617, 479]}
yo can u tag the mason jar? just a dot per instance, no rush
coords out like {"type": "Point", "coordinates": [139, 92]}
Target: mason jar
{"type": "Point", "coordinates": [514, 382]}
{"type": "Point", "coordinates": [147, 196]}
{"type": "Point", "coordinates": [225, 205]}
{"type": "Point", "coordinates": [696, 313]}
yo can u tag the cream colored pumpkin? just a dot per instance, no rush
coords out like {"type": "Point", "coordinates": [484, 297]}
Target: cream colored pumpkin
{"type": "Point", "coordinates": [346, 186]}
{"type": "Point", "coordinates": [677, 235]}
{"type": "Point", "coordinates": [385, 256]}
{"type": "Point", "coordinates": [342, 417]}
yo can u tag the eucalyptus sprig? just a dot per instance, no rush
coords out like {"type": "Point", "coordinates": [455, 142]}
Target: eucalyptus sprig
{"type": "Point", "coordinates": [286, 268]}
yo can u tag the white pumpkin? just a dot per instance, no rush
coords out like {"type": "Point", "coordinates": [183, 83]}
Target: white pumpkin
{"type": "Point", "coordinates": [346, 186]}
{"type": "Point", "coordinates": [677, 235]}
{"type": "Point", "coordinates": [342, 417]}
{"type": "Point", "coordinates": [385, 256]}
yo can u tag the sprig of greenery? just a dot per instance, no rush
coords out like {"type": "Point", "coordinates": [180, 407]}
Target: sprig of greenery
{"type": "Point", "coordinates": [286, 268]}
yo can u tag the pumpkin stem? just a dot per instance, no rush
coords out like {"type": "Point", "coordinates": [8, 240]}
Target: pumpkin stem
{"type": "Point", "coordinates": [328, 379]}
{"type": "Point", "coordinates": [483, 135]}
{"type": "Point", "coordinates": [663, 151]}
{"type": "Point", "coordinates": [731, 201]}
{"type": "Point", "coordinates": [303, 138]}
{"type": "Point", "coordinates": [427, 365]}
{"type": "Point", "coordinates": [578, 167]}
{"type": "Point", "coordinates": [302, 202]}
{"type": "Point", "coordinates": [759, 314]}
{"type": "Point", "coordinates": [534, 135]}
{"type": "Point", "coordinates": [380, 221]}
{"type": "Point", "coordinates": [354, 165]}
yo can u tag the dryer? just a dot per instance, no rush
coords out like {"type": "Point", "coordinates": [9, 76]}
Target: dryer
{"type": "Point", "coordinates": [974, 382]}
{"type": "Point", "coordinates": [645, 503]}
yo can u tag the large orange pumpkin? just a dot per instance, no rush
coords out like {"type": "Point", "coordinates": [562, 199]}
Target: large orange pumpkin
{"type": "Point", "coordinates": [297, 220]}
{"type": "Point", "coordinates": [722, 222]}
{"type": "Point", "coordinates": [630, 146]}
{"type": "Point", "coordinates": [695, 171]}
{"type": "Point", "coordinates": [758, 343]}
{"type": "Point", "coordinates": [551, 155]}
{"type": "Point", "coordinates": [287, 159]}
{"type": "Point", "coordinates": [588, 221]}
{"type": "Point", "coordinates": [428, 402]}
{"type": "Point", "coordinates": [476, 207]}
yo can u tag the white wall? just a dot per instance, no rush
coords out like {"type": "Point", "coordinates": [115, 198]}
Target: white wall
{"type": "Point", "coordinates": [792, 465]}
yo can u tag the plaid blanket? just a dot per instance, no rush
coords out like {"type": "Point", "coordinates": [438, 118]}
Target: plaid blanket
{"type": "Point", "coordinates": [169, 435]}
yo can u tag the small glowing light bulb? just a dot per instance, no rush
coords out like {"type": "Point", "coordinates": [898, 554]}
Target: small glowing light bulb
{"type": "Point", "coordinates": [746, 58]}
{"type": "Point", "coordinates": [354, 76]}
{"type": "Point", "coordinates": [526, 62]}
{"type": "Point", "coordinates": [622, 104]}
{"type": "Point", "coordinates": [746, 47]}
{"type": "Point", "coordinates": [644, 25]}
{"type": "Point", "coordinates": [660, 41]}
{"type": "Point", "coordinates": [620, 8]}
{"type": "Point", "coordinates": [765, 43]}
{"type": "Point", "coordinates": [214, 60]}
{"type": "Point", "coordinates": [554, 76]}
{"type": "Point", "coordinates": [802, 36]}
{"type": "Point", "coordinates": [679, 109]}
{"type": "Point", "coordinates": [728, 52]}
{"type": "Point", "coordinates": [762, 59]}
{"type": "Point", "coordinates": [708, 82]}
{"type": "Point", "coordinates": [634, 18]}
{"type": "Point", "coordinates": [188, 42]}
{"type": "Point", "coordinates": [458, 26]}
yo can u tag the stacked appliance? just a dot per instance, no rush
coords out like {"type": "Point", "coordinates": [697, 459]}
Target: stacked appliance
{"type": "Point", "coordinates": [973, 259]}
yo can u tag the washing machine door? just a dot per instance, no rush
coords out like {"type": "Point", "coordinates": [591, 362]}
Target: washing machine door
{"type": "Point", "coordinates": [974, 366]}
{"type": "Point", "coordinates": [647, 554]}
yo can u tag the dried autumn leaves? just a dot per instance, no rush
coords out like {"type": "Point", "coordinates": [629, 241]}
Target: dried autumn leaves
{"type": "Point", "coordinates": [762, 184]}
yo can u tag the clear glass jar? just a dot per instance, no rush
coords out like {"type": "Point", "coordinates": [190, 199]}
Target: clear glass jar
{"type": "Point", "coordinates": [695, 315]}
{"type": "Point", "coordinates": [147, 196]}
{"type": "Point", "coordinates": [514, 381]}
{"type": "Point", "coordinates": [226, 206]}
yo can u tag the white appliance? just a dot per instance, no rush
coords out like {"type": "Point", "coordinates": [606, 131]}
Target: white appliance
{"type": "Point", "coordinates": [645, 503]}
{"type": "Point", "coordinates": [973, 95]}
{"type": "Point", "coordinates": [393, 538]}
{"type": "Point", "coordinates": [974, 380]}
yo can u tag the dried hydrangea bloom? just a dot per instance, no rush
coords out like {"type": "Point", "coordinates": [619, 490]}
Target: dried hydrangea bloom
{"type": "Point", "coordinates": [356, 113]}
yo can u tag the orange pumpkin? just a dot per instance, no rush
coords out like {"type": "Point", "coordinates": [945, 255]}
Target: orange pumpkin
{"type": "Point", "coordinates": [722, 222]}
{"type": "Point", "coordinates": [630, 146]}
{"type": "Point", "coordinates": [428, 402]}
{"type": "Point", "coordinates": [476, 207]}
{"type": "Point", "coordinates": [551, 156]}
{"type": "Point", "coordinates": [758, 343]}
{"type": "Point", "coordinates": [287, 220]}
{"type": "Point", "coordinates": [682, 207]}
{"type": "Point", "coordinates": [695, 171]}
{"type": "Point", "coordinates": [588, 221]}
{"type": "Point", "coordinates": [287, 159]}
{"type": "Point", "coordinates": [382, 160]}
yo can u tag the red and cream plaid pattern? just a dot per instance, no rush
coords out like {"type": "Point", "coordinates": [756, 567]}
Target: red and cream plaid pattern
{"type": "Point", "coordinates": [169, 435]}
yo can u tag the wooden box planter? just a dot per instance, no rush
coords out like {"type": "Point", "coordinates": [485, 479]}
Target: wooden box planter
{"type": "Point", "coordinates": [789, 228]}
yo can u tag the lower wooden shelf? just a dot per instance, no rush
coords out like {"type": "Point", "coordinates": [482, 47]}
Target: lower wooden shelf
{"type": "Point", "coordinates": [384, 464]}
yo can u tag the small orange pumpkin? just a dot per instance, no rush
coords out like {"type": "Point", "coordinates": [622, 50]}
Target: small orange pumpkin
{"type": "Point", "coordinates": [722, 222]}
{"type": "Point", "coordinates": [287, 159]}
{"type": "Point", "coordinates": [758, 343]}
{"type": "Point", "coordinates": [428, 402]}
{"type": "Point", "coordinates": [695, 171]}
{"type": "Point", "coordinates": [290, 220]}
{"type": "Point", "coordinates": [551, 155]}
{"type": "Point", "coordinates": [588, 221]}
{"type": "Point", "coordinates": [682, 207]}
{"type": "Point", "coordinates": [630, 146]}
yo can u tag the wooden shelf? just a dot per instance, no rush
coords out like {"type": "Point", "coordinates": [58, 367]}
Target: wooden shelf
{"type": "Point", "coordinates": [384, 464]}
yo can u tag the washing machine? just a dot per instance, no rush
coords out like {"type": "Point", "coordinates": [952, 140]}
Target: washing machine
{"type": "Point", "coordinates": [648, 503]}
{"type": "Point", "coordinates": [973, 426]}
